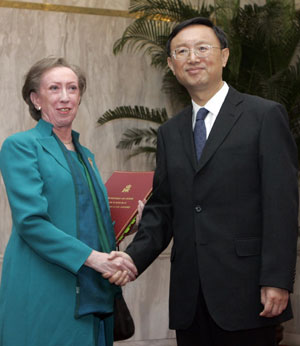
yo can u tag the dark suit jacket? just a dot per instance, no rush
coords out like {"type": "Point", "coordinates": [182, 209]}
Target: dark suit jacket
{"type": "Point", "coordinates": [232, 216]}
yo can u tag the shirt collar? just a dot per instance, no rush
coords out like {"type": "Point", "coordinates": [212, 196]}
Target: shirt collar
{"type": "Point", "coordinates": [215, 103]}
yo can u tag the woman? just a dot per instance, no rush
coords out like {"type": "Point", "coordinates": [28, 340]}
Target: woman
{"type": "Point", "coordinates": [52, 293]}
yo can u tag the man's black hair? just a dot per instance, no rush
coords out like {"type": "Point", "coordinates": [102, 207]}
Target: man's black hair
{"type": "Point", "coordinates": [197, 21]}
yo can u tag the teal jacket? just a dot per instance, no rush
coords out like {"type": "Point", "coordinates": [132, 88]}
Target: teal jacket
{"type": "Point", "coordinates": [38, 293]}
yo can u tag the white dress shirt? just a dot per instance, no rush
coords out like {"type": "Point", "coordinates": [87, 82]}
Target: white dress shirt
{"type": "Point", "coordinates": [213, 106]}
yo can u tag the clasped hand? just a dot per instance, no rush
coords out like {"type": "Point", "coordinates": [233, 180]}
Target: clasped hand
{"type": "Point", "coordinates": [117, 266]}
{"type": "Point", "coordinates": [126, 269]}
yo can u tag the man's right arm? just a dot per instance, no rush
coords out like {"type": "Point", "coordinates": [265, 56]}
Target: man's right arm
{"type": "Point", "coordinates": [155, 228]}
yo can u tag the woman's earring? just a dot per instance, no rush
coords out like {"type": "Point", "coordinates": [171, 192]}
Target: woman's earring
{"type": "Point", "coordinates": [38, 108]}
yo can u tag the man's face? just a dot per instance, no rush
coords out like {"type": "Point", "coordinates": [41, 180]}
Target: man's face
{"type": "Point", "coordinates": [198, 73]}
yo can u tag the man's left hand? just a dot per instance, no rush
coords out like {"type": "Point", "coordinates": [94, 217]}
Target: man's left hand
{"type": "Point", "coordinates": [274, 301]}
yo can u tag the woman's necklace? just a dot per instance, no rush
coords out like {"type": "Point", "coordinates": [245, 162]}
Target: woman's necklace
{"type": "Point", "coordinates": [66, 143]}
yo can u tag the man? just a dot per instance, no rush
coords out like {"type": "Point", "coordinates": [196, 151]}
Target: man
{"type": "Point", "coordinates": [231, 211]}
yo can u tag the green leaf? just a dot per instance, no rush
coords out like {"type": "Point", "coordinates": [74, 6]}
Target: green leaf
{"type": "Point", "coordinates": [169, 10]}
{"type": "Point", "coordinates": [148, 36]}
{"type": "Point", "coordinates": [134, 137]}
{"type": "Point", "coordinates": [158, 116]}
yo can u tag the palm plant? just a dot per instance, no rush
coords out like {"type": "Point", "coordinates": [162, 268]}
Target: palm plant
{"type": "Point", "coordinates": [143, 140]}
{"type": "Point", "coordinates": [263, 43]}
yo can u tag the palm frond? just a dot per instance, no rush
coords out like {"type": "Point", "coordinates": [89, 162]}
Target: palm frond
{"type": "Point", "coordinates": [177, 92]}
{"type": "Point", "coordinates": [276, 88]}
{"type": "Point", "coordinates": [169, 10]}
{"type": "Point", "coordinates": [224, 11]}
{"type": "Point", "coordinates": [269, 32]}
{"type": "Point", "coordinates": [150, 152]}
{"type": "Point", "coordinates": [292, 79]}
{"type": "Point", "coordinates": [148, 36]}
{"type": "Point", "coordinates": [134, 137]}
{"type": "Point", "coordinates": [157, 115]}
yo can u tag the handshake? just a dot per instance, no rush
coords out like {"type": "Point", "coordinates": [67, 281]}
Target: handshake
{"type": "Point", "coordinates": [117, 266]}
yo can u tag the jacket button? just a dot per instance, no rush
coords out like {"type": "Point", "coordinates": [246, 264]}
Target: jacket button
{"type": "Point", "coordinates": [198, 209]}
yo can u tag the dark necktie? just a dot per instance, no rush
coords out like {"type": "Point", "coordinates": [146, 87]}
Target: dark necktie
{"type": "Point", "coordinates": [200, 131]}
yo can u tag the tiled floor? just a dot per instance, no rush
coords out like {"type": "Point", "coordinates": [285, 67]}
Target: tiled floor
{"type": "Point", "coordinates": [167, 342]}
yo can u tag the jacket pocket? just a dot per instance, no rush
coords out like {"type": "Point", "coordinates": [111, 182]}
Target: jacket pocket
{"type": "Point", "coordinates": [248, 246]}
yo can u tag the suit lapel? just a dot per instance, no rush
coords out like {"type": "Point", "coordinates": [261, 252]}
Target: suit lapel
{"type": "Point", "coordinates": [227, 117]}
{"type": "Point", "coordinates": [49, 143]}
{"type": "Point", "coordinates": [187, 136]}
{"type": "Point", "coordinates": [51, 146]}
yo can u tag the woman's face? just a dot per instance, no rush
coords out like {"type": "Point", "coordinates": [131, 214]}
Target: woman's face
{"type": "Point", "coordinates": [58, 97]}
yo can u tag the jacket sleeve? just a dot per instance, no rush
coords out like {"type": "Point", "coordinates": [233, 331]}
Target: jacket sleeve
{"type": "Point", "coordinates": [155, 228]}
{"type": "Point", "coordinates": [279, 188]}
{"type": "Point", "coordinates": [29, 206]}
